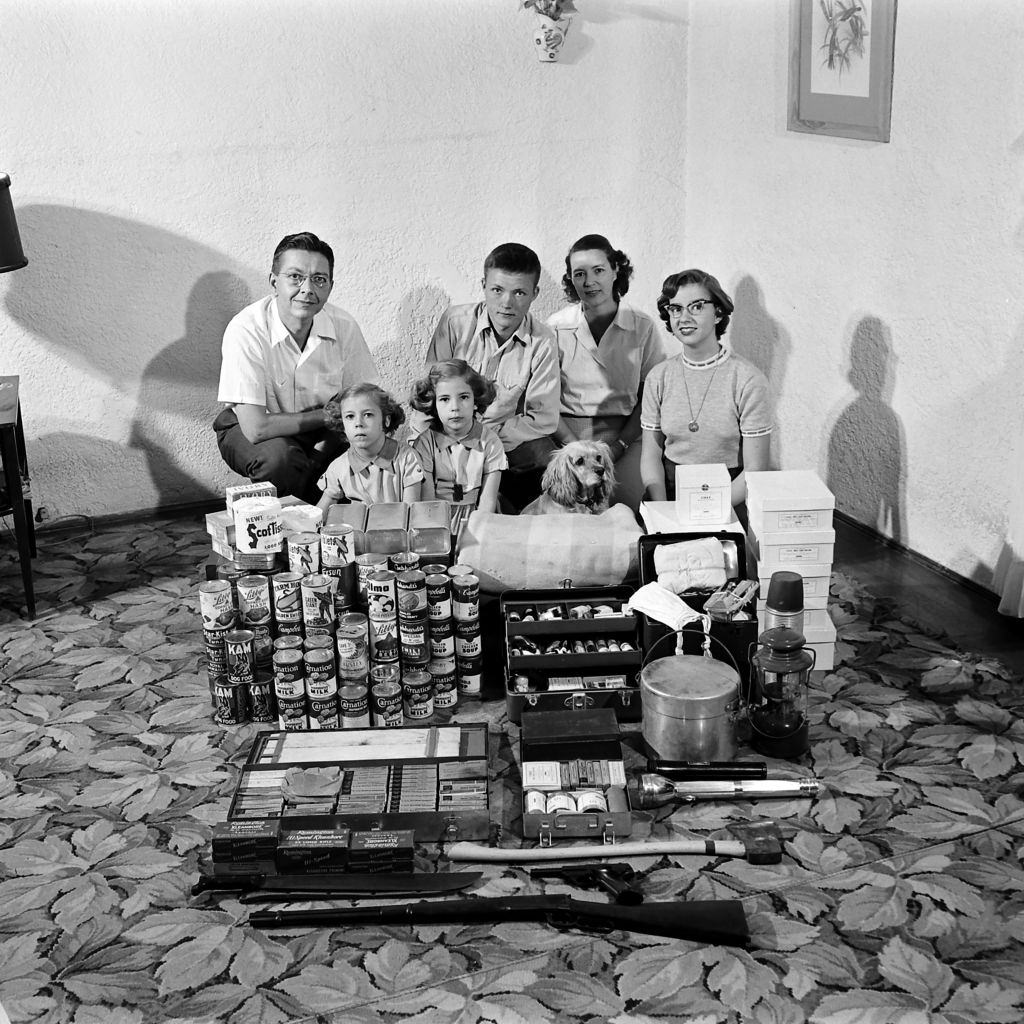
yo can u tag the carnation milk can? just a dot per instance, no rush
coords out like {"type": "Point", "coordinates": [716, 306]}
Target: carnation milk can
{"type": "Point", "coordinates": [690, 706]}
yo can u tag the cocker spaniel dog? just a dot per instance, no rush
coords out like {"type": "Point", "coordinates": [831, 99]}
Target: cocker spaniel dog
{"type": "Point", "coordinates": [579, 478]}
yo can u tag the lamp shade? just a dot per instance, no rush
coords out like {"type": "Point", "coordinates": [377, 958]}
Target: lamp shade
{"type": "Point", "coordinates": [11, 255]}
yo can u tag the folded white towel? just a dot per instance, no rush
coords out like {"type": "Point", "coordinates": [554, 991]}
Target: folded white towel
{"type": "Point", "coordinates": [691, 564]}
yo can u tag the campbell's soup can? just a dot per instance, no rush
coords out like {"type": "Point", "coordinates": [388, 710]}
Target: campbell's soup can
{"type": "Point", "coordinates": [241, 661]}
{"type": "Point", "coordinates": [321, 680]}
{"type": "Point", "coordinates": [381, 595]}
{"type": "Point", "coordinates": [469, 672]}
{"type": "Point", "coordinates": [446, 687]}
{"type": "Point", "coordinates": [303, 553]}
{"type": "Point", "coordinates": [292, 630]}
{"type": "Point", "coordinates": [366, 565]}
{"type": "Point", "coordinates": [411, 588]}
{"type": "Point", "coordinates": [417, 695]}
{"type": "Point", "coordinates": [468, 643]}
{"type": "Point", "coordinates": [217, 604]}
{"type": "Point", "coordinates": [442, 639]}
{"type": "Point", "coordinates": [465, 597]}
{"type": "Point", "coordinates": [402, 561]}
{"type": "Point", "coordinates": [384, 640]}
{"type": "Point", "coordinates": [439, 596]}
{"type": "Point", "coordinates": [291, 713]}
{"type": "Point", "coordinates": [337, 544]}
{"type": "Point", "coordinates": [317, 601]}
{"type": "Point", "coordinates": [287, 591]}
{"type": "Point", "coordinates": [261, 699]}
{"type": "Point", "coordinates": [231, 703]}
{"type": "Point", "coordinates": [354, 706]}
{"type": "Point", "coordinates": [386, 704]}
{"type": "Point", "coordinates": [322, 711]}
{"type": "Point", "coordinates": [289, 674]}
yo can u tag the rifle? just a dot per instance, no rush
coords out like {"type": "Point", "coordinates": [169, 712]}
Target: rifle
{"type": "Point", "coordinates": [716, 922]}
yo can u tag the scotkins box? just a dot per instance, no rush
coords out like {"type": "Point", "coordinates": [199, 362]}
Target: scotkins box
{"type": "Point", "coordinates": [703, 495]}
{"type": "Point", "coordinates": [571, 649]}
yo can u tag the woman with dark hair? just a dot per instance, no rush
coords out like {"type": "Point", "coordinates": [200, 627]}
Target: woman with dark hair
{"type": "Point", "coordinates": [706, 405]}
{"type": "Point", "coordinates": [606, 349]}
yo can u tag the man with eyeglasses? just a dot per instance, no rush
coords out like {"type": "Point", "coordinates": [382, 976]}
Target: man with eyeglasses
{"type": "Point", "coordinates": [282, 358]}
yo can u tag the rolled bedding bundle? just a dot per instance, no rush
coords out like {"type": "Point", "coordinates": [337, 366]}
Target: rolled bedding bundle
{"type": "Point", "coordinates": [691, 565]}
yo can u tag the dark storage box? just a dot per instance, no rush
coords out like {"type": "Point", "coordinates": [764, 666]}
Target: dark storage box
{"type": "Point", "coordinates": [735, 635]}
{"type": "Point", "coordinates": [579, 678]}
{"type": "Point", "coordinates": [585, 745]}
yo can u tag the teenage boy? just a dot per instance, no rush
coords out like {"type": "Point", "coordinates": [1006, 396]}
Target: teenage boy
{"type": "Point", "coordinates": [283, 357]}
{"type": "Point", "coordinates": [505, 343]}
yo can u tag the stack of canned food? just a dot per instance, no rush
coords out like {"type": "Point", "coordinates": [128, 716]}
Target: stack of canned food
{"type": "Point", "coordinates": [338, 640]}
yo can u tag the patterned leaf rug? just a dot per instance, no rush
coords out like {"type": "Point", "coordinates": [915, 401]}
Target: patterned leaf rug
{"type": "Point", "coordinates": [900, 897]}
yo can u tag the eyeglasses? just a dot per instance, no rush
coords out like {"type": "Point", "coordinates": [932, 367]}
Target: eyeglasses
{"type": "Point", "coordinates": [694, 308]}
{"type": "Point", "coordinates": [316, 280]}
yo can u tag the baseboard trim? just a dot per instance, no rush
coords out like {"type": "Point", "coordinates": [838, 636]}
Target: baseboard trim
{"type": "Point", "coordinates": [73, 523]}
{"type": "Point", "coordinates": [916, 556]}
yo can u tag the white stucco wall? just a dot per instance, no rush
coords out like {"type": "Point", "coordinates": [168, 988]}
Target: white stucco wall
{"type": "Point", "coordinates": [879, 285]}
{"type": "Point", "coordinates": [159, 149]}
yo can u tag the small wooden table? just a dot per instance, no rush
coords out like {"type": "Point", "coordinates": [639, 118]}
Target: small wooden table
{"type": "Point", "coordinates": [15, 462]}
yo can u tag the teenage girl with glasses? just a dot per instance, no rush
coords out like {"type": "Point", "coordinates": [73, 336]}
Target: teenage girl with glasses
{"type": "Point", "coordinates": [705, 405]}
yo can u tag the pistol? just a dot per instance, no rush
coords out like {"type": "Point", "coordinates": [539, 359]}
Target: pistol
{"type": "Point", "coordinates": [615, 879]}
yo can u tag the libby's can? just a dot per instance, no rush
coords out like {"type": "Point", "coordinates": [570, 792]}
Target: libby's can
{"type": "Point", "coordinates": [241, 662]}
{"type": "Point", "coordinates": [317, 602]}
{"type": "Point", "coordinates": [289, 674]}
{"type": "Point", "coordinates": [303, 553]}
{"type": "Point", "coordinates": [468, 642]}
{"type": "Point", "coordinates": [337, 544]}
{"type": "Point", "coordinates": [261, 699]}
{"type": "Point", "coordinates": [354, 706]}
{"type": "Point", "coordinates": [466, 597]}
{"type": "Point", "coordinates": [411, 592]}
{"type": "Point", "coordinates": [386, 703]}
{"type": "Point", "coordinates": [217, 604]}
{"type": "Point", "coordinates": [439, 596]}
{"type": "Point", "coordinates": [230, 703]}
{"type": "Point", "coordinates": [417, 695]}
{"type": "Point", "coordinates": [232, 572]}
{"type": "Point", "coordinates": [254, 612]}
{"type": "Point", "coordinates": [402, 561]}
{"type": "Point", "coordinates": [381, 595]}
{"type": "Point", "coordinates": [384, 639]}
{"type": "Point", "coordinates": [287, 592]}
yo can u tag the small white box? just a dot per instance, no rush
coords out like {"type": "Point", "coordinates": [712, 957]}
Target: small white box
{"type": "Point", "coordinates": [824, 657]}
{"type": "Point", "coordinates": [787, 490]}
{"type": "Point", "coordinates": [808, 570]}
{"type": "Point", "coordinates": [703, 495]}
{"type": "Point", "coordinates": [660, 517]}
{"type": "Point", "coordinates": [815, 547]}
{"type": "Point", "coordinates": [221, 526]}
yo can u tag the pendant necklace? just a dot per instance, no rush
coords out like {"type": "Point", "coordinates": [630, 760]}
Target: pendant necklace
{"type": "Point", "coordinates": [694, 417]}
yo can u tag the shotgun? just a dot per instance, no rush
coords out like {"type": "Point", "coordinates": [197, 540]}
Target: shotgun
{"type": "Point", "coordinates": [715, 922]}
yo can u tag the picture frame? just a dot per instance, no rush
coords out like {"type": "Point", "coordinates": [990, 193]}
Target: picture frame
{"type": "Point", "coordinates": [841, 67]}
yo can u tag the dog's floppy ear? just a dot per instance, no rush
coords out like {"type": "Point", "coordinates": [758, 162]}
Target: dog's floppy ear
{"type": "Point", "coordinates": [609, 466]}
{"type": "Point", "coordinates": [559, 482]}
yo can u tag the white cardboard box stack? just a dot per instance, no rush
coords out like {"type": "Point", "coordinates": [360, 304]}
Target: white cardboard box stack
{"type": "Point", "coordinates": [790, 528]}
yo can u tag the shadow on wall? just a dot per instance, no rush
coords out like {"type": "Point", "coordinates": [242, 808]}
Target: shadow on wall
{"type": "Point", "coordinates": [867, 447]}
{"type": "Point", "coordinates": [106, 294]}
{"type": "Point", "coordinates": [756, 336]}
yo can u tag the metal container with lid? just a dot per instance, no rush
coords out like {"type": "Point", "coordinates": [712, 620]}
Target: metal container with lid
{"type": "Point", "coordinates": [690, 707]}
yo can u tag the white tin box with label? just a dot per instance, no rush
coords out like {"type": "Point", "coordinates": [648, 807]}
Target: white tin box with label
{"type": "Point", "coordinates": [703, 495]}
{"type": "Point", "coordinates": [788, 500]}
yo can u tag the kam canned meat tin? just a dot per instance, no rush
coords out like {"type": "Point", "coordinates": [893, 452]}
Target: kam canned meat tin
{"type": "Point", "coordinates": [241, 663]}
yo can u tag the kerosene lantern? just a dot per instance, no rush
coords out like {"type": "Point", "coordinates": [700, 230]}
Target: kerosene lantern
{"type": "Point", "coordinates": [780, 673]}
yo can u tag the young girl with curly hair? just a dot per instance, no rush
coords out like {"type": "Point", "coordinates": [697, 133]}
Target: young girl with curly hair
{"type": "Point", "coordinates": [461, 456]}
{"type": "Point", "coordinates": [376, 467]}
